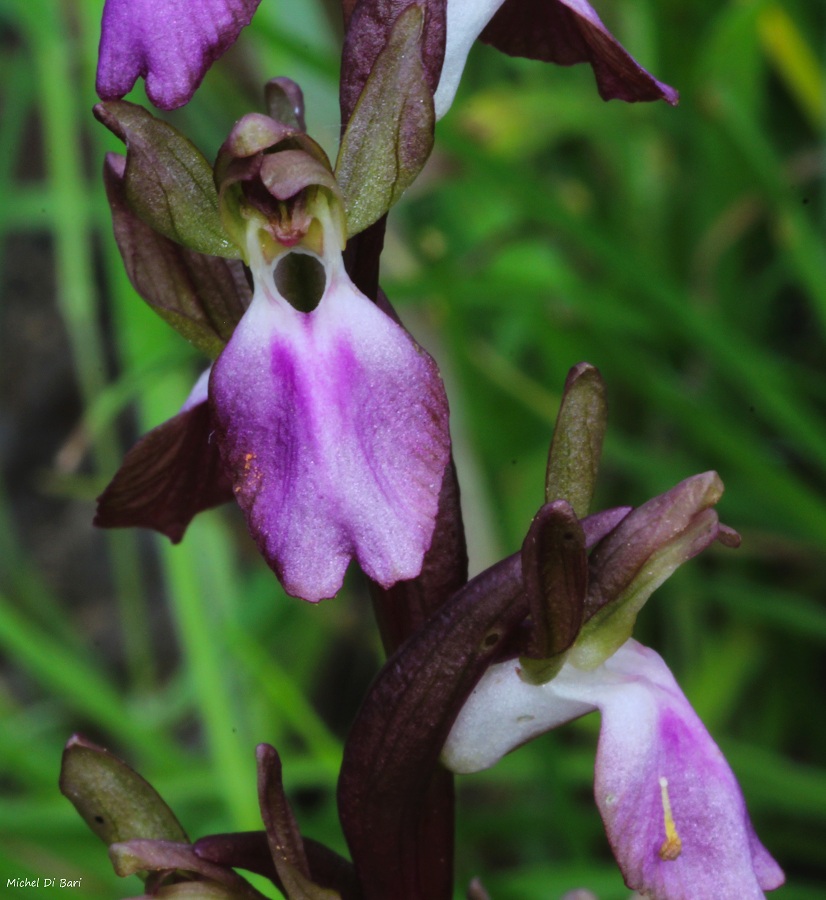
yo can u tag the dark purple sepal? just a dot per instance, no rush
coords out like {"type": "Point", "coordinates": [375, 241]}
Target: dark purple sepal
{"type": "Point", "coordinates": [162, 857]}
{"type": "Point", "coordinates": [368, 28]}
{"type": "Point", "coordinates": [555, 569]}
{"type": "Point", "coordinates": [389, 134]}
{"type": "Point", "coordinates": [566, 32]}
{"type": "Point", "coordinates": [167, 181]}
{"type": "Point", "coordinates": [202, 297]}
{"type": "Point", "coordinates": [576, 448]}
{"type": "Point", "coordinates": [390, 757]}
{"type": "Point", "coordinates": [644, 550]}
{"type": "Point", "coordinates": [170, 475]}
{"type": "Point", "coordinates": [170, 43]}
{"type": "Point", "coordinates": [283, 837]}
{"type": "Point", "coordinates": [115, 802]}
{"type": "Point", "coordinates": [555, 575]}
{"type": "Point", "coordinates": [250, 850]}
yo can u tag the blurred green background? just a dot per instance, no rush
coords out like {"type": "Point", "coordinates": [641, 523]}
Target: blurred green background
{"type": "Point", "coordinates": [683, 251]}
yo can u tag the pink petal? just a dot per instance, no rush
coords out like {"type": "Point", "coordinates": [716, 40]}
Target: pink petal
{"type": "Point", "coordinates": [653, 744]}
{"type": "Point", "coordinates": [171, 43]}
{"type": "Point", "coordinates": [333, 425]}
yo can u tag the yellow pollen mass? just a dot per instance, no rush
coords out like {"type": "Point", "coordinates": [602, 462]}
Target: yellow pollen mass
{"type": "Point", "coordinates": [251, 473]}
{"type": "Point", "coordinates": [672, 845]}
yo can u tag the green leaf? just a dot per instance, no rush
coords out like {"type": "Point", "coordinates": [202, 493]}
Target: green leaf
{"type": "Point", "coordinates": [168, 181]}
{"type": "Point", "coordinates": [390, 134]}
{"type": "Point", "coordinates": [115, 802]}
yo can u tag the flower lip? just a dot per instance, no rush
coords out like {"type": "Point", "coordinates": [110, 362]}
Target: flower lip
{"type": "Point", "coordinates": [171, 43]}
{"type": "Point", "coordinates": [331, 422]}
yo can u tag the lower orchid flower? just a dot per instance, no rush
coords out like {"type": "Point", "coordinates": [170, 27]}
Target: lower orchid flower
{"type": "Point", "coordinates": [673, 811]}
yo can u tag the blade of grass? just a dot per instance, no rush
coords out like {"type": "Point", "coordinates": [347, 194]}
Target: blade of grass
{"type": "Point", "coordinates": [69, 676]}
{"type": "Point", "coordinates": [46, 29]}
{"type": "Point", "coordinates": [202, 634]}
{"type": "Point", "coordinates": [795, 61]}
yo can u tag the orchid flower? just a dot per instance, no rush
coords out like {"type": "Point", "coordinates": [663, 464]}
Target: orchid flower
{"type": "Point", "coordinates": [543, 637]}
{"type": "Point", "coordinates": [673, 811]}
{"type": "Point", "coordinates": [674, 814]}
{"type": "Point", "coordinates": [331, 418]}
{"type": "Point", "coordinates": [322, 417]}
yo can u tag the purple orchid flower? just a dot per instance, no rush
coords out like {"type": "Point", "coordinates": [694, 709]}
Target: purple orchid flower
{"type": "Point", "coordinates": [321, 416]}
{"type": "Point", "coordinates": [673, 811]}
{"type": "Point", "coordinates": [170, 43]}
{"type": "Point", "coordinates": [332, 421]}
